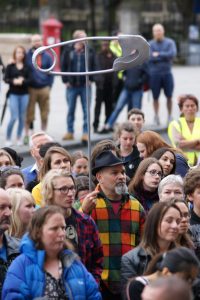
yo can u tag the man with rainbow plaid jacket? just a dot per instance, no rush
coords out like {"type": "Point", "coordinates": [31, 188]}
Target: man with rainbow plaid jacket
{"type": "Point", "coordinates": [119, 218]}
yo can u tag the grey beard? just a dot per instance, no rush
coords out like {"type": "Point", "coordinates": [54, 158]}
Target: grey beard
{"type": "Point", "coordinates": [121, 188]}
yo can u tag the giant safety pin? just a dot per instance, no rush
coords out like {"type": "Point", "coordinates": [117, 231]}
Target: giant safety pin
{"type": "Point", "coordinates": [135, 51]}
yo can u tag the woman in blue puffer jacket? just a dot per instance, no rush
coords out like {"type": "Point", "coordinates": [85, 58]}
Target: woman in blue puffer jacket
{"type": "Point", "coordinates": [46, 268]}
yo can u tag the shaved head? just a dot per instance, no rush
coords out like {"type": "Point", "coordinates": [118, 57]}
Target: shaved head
{"type": "Point", "coordinates": [36, 41]}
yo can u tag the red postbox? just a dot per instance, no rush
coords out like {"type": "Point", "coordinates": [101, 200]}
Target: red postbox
{"type": "Point", "coordinates": [51, 31]}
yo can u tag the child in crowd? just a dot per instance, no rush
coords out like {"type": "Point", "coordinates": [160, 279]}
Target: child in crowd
{"type": "Point", "coordinates": [129, 153]}
{"type": "Point", "coordinates": [79, 164]}
{"type": "Point", "coordinates": [192, 193]}
{"type": "Point", "coordinates": [136, 117]}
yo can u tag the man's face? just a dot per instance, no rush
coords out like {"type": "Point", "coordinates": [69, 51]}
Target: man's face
{"type": "Point", "coordinates": [5, 211]}
{"type": "Point", "coordinates": [137, 121]}
{"type": "Point", "coordinates": [105, 46]}
{"type": "Point", "coordinates": [112, 178]}
{"type": "Point", "coordinates": [158, 32]}
{"type": "Point", "coordinates": [79, 46]}
{"type": "Point", "coordinates": [36, 41]}
{"type": "Point", "coordinates": [38, 141]}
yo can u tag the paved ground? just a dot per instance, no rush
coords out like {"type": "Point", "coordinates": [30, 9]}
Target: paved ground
{"type": "Point", "coordinates": [186, 81]}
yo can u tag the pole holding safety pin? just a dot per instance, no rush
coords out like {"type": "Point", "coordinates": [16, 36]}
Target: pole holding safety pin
{"type": "Point", "coordinates": [135, 51]}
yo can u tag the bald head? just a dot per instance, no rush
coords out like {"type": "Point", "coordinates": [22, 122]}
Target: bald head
{"type": "Point", "coordinates": [158, 32]}
{"type": "Point", "coordinates": [36, 41]}
{"type": "Point", "coordinates": [5, 211]}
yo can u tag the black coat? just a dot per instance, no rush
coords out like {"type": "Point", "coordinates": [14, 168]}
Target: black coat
{"type": "Point", "coordinates": [135, 78]}
{"type": "Point", "coordinates": [132, 162]}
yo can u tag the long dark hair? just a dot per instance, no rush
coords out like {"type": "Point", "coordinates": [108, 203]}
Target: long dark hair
{"type": "Point", "coordinates": [160, 152]}
{"type": "Point", "coordinates": [180, 259]}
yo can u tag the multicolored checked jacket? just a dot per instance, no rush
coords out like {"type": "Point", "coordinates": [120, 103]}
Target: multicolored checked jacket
{"type": "Point", "coordinates": [119, 233]}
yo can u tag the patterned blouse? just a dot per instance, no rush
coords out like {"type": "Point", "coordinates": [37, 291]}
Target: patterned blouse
{"type": "Point", "coordinates": [54, 288]}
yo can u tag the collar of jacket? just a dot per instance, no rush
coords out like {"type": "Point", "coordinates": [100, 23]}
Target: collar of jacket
{"type": "Point", "coordinates": [101, 194]}
{"type": "Point", "coordinates": [11, 244]}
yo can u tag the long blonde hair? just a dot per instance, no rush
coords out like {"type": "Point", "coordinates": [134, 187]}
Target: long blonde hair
{"type": "Point", "coordinates": [17, 196]}
{"type": "Point", "coordinates": [5, 153]}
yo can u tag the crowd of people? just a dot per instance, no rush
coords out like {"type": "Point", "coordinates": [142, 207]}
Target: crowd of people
{"type": "Point", "coordinates": [139, 224]}
{"type": "Point", "coordinates": [27, 86]}
{"type": "Point", "coordinates": [134, 232]}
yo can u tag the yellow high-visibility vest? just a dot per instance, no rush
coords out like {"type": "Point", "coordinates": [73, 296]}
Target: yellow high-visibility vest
{"type": "Point", "coordinates": [182, 127]}
{"type": "Point", "coordinates": [117, 51]}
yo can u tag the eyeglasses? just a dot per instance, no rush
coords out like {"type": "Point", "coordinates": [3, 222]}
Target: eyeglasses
{"type": "Point", "coordinates": [65, 189]}
{"type": "Point", "coordinates": [154, 173]}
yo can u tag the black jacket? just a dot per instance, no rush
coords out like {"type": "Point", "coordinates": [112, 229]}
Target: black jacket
{"type": "Point", "coordinates": [135, 78]}
{"type": "Point", "coordinates": [194, 232]}
{"type": "Point", "coordinates": [104, 61]}
{"type": "Point", "coordinates": [72, 61]}
{"type": "Point", "coordinates": [131, 162]}
{"type": "Point", "coordinates": [12, 73]}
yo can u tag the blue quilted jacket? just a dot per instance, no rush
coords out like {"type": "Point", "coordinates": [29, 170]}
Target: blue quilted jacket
{"type": "Point", "coordinates": [26, 278]}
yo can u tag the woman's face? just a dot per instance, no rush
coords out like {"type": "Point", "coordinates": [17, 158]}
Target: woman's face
{"type": "Point", "coordinates": [53, 234]}
{"type": "Point", "coordinates": [167, 161]}
{"type": "Point", "coordinates": [142, 149]}
{"type": "Point", "coordinates": [184, 225]}
{"type": "Point", "coordinates": [80, 166]}
{"type": "Point", "coordinates": [169, 227]}
{"type": "Point", "coordinates": [14, 181]}
{"type": "Point", "coordinates": [171, 191]}
{"type": "Point", "coordinates": [4, 161]}
{"type": "Point", "coordinates": [64, 192]}
{"type": "Point", "coordinates": [189, 109]}
{"type": "Point", "coordinates": [25, 211]}
{"type": "Point", "coordinates": [19, 54]}
{"type": "Point", "coordinates": [152, 177]}
{"type": "Point", "coordinates": [60, 161]}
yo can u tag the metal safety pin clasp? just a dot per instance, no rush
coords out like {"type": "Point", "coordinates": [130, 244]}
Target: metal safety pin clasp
{"type": "Point", "coordinates": [135, 51]}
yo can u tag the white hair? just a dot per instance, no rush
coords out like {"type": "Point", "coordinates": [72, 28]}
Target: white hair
{"type": "Point", "coordinates": [37, 134]}
{"type": "Point", "coordinates": [170, 179]}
